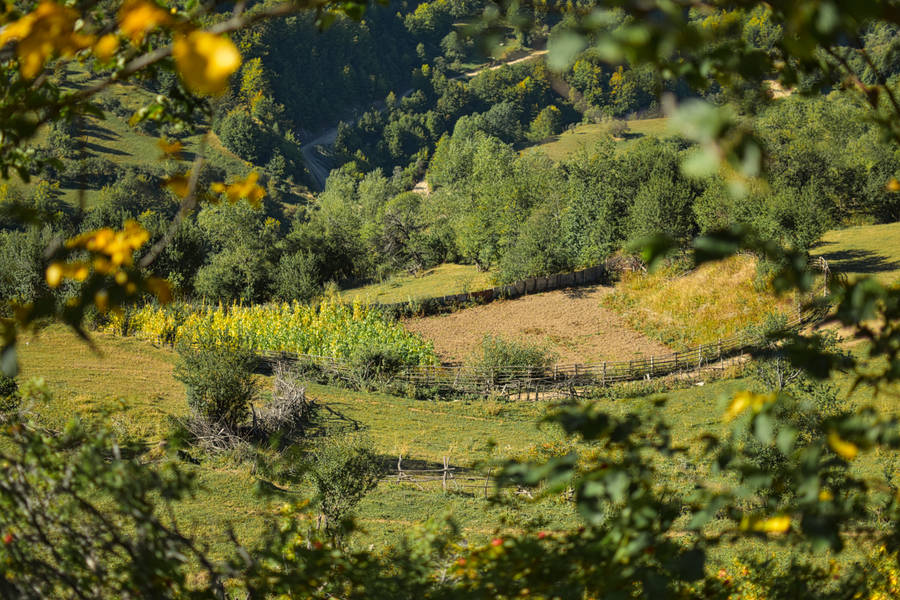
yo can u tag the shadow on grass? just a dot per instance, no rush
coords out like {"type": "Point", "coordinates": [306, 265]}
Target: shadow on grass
{"type": "Point", "coordinates": [860, 261]}
{"type": "Point", "coordinates": [101, 133]}
{"type": "Point", "coordinates": [104, 150]}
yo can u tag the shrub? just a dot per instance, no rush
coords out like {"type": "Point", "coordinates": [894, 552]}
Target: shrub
{"type": "Point", "coordinates": [9, 394]}
{"type": "Point", "coordinates": [378, 362]}
{"type": "Point", "coordinates": [344, 470]}
{"type": "Point", "coordinates": [496, 353]}
{"type": "Point", "coordinates": [241, 134]}
{"type": "Point", "coordinates": [219, 382]}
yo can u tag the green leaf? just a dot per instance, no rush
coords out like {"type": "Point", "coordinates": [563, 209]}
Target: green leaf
{"type": "Point", "coordinates": [764, 428]}
{"type": "Point", "coordinates": [563, 48]}
{"type": "Point", "coordinates": [9, 362]}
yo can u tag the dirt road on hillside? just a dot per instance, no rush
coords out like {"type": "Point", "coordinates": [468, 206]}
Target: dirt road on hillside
{"type": "Point", "coordinates": [570, 322]}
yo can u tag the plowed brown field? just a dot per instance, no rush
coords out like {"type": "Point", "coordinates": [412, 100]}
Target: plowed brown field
{"type": "Point", "coordinates": [569, 322]}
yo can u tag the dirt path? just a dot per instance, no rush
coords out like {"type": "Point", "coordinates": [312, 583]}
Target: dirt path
{"type": "Point", "coordinates": [529, 56]}
{"type": "Point", "coordinates": [570, 322]}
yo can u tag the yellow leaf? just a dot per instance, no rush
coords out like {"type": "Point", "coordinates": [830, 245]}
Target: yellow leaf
{"type": "Point", "coordinates": [106, 47]}
{"type": "Point", "coordinates": [138, 17]}
{"type": "Point", "coordinates": [843, 448]}
{"type": "Point", "coordinates": [170, 150]}
{"type": "Point", "coordinates": [744, 400]}
{"type": "Point", "coordinates": [48, 30]}
{"type": "Point", "coordinates": [777, 524]}
{"type": "Point", "coordinates": [247, 189]}
{"type": "Point", "coordinates": [893, 185]}
{"type": "Point", "coordinates": [205, 61]}
{"type": "Point", "coordinates": [160, 288]}
{"type": "Point", "coordinates": [54, 274]}
{"type": "Point", "coordinates": [180, 184]}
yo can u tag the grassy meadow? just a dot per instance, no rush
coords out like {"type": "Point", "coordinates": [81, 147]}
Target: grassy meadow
{"type": "Point", "coordinates": [441, 280]}
{"type": "Point", "coordinates": [865, 250]}
{"type": "Point", "coordinates": [114, 139]}
{"type": "Point", "coordinates": [698, 307]}
{"type": "Point", "coordinates": [129, 385]}
{"type": "Point", "coordinates": [588, 134]}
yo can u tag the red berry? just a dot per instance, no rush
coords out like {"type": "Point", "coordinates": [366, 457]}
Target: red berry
{"type": "Point", "coordinates": [317, 545]}
{"type": "Point", "coordinates": [7, 539]}
{"type": "Point", "coordinates": [496, 541]}
{"type": "Point", "coordinates": [542, 535]}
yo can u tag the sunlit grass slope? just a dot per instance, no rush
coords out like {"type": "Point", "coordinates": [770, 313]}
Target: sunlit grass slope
{"type": "Point", "coordinates": [867, 250]}
{"type": "Point", "coordinates": [588, 134]}
{"type": "Point", "coordinates": [682, 310]}
{"type": "Point", "coordinates": [442, 280]}
{"type": "Point", "coordinates": [130, 386]}
{"type": "Point", "coordinates": [114, 139]}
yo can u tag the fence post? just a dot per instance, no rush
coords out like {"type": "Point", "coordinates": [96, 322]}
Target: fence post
{"type": "Point", "coordinates": [444, 475]}
{"type": "Point", "coordinates": [604, 373]}
{"type": "Point", "coordinates": [486, 481]}
{"type": "Point", "coordinates": [651, 367]}
{"type": "Point", "coordinates": [399, 468]}
{"type": "Point", "coordinates": [699, 356]}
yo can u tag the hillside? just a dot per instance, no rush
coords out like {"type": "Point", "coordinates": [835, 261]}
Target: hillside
{"type": "Point", "coordinates": [872, 250]}
{"type": "Point", "coordinates": [441, 280]}
{"type": "Point", "coordinates": [586, 135]}
{"type": "Point", "coordinates": [701, 306]}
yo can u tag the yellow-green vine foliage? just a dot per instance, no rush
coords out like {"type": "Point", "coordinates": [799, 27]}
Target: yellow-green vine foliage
{"type": "Point", "coordinates": [331, 328]}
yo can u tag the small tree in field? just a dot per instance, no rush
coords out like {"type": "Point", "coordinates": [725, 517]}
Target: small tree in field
{"type": "Point", "coordinates": [219, 382]}
{"type": "Point", "coordinates": [344, 470]}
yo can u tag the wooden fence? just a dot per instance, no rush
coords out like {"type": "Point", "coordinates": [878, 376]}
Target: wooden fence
{"type": "Point", "coordinates": [450, 477]}
{"type": "Point", "coordinates": [516, 380]}
{"type": "Point", "coordinates": [532, 285]}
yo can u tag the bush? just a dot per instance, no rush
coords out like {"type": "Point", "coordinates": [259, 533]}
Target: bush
{"type": "Point", "coordinates": [9, 394]}
{"type": "Point", "coordinates": [244, 136]}
{"type": "Point", "coordinates": [378, 362]}
{"type": "Point", "coordinates": [497, 352]}
{"type": "Point", "coordinates": [344, 470]}
{"type": "Point", "coordinates": [219, 382]}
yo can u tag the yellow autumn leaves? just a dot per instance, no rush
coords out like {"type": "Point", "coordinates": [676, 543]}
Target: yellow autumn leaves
{"type": "Point", "coordinates": [110, 249]}
{"type": "Point", "coordinates": [111, 252]}
{"type": "Point", "coordinates": [243, 189]}
{"type": "Point", "coordinates": [47, 31]}
{"type": "Point", "coordinates": [203, 60]}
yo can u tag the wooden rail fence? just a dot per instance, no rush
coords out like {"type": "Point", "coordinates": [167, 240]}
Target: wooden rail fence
{"type": "Point", "coordinates": [515, 380]}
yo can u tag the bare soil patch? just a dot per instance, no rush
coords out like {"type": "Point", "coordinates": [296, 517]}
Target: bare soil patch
{"type": "Point", "coordinates": [569, 322]}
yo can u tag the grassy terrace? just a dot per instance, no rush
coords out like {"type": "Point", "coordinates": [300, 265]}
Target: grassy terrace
{"type": "Point", "coordinates": [114, 139]}
{"type": "Point", "coordinates": [866, 250]}
{"type": "Point", "coordinates": [442, 280]}
{"type": "Point", "coordinates": [587, 134]}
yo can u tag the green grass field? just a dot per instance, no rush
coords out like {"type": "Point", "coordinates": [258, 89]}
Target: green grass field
{"type": "Point", "coordinates": [114, 139]}
{"type": "Point", "coordinates": [588, 134]}
{"type": "Point", "coordinates": [130, 385]}
{"type": "Point", "coordinates": [442, 280]}
{"type": "Point", "coordinates": [866, 250]}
